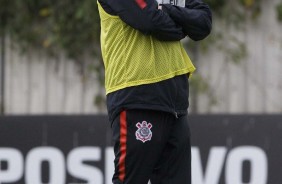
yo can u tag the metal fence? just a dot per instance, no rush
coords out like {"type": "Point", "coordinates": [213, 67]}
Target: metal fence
{"type": "Point", "coordinates": [37, 84]}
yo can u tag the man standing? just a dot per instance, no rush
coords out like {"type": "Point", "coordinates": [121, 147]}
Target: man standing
{"type": "Point", "coordinates": [147, 88]}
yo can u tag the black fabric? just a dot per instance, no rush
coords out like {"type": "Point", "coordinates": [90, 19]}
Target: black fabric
{"type": "Point", "coordinates": [169, 96]}
{"type": "Point", "coordinates": [195, 18]}
{"type": "Point", "coordinates": [164, 159]}
{"type": "Point", "coordinates": [172, 23]}
{"type": "Point", "coordinates": [148, 20]}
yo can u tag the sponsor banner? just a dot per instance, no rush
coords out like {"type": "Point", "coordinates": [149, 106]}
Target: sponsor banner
{"type": "Point", "coordinates": [78, 149]}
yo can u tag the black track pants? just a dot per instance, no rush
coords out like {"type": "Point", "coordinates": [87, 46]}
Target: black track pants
{"type": "Point", "coordinates": [151, 145]}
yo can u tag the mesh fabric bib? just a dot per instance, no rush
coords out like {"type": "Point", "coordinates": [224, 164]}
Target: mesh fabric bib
{"type": "Point", "coordinates": [132, 58]}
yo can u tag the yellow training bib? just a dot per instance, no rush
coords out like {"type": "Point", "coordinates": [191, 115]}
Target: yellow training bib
{"type": "Point", "coordinates": [132, 58]}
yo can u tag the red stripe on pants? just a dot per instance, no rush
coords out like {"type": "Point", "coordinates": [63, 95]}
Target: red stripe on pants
{"type": "Point", "coordinates": [122, 139]}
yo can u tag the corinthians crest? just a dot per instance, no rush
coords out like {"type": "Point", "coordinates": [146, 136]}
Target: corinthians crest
{"type": "Point", "coordinates": [144, 132]}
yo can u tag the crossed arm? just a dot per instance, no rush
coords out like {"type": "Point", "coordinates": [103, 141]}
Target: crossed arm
{"type": "Point", "coordinates": [172, 23]}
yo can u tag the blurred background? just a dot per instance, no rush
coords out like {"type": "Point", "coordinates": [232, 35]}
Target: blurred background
{"type": "Point", "coordinates": [51, 61]}
{"type": "Point", "coordinates": [53, 123]}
